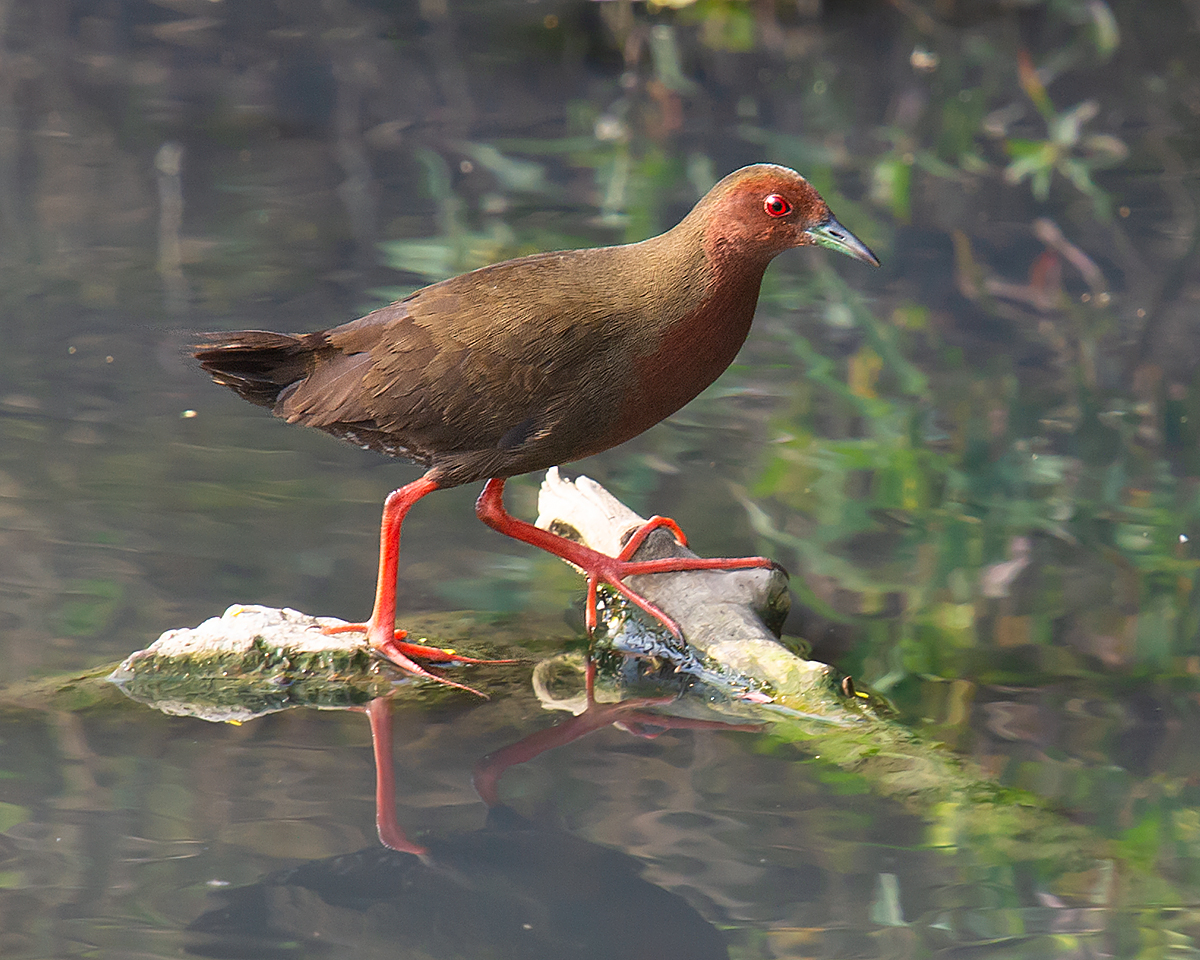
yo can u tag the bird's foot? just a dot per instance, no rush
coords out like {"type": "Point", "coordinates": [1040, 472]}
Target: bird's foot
{"type": "Point", "coordinates": [599, 567]}
{"type": "Point", "coordinates": [614, 570]}
{"type": "Point", "coordinates": [400, 653]}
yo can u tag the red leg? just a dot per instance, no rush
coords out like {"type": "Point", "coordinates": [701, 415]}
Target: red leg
{"type": "Point", "coordinates": [381, 629]}
{"type": "Point", "coordinates": [599, 567]}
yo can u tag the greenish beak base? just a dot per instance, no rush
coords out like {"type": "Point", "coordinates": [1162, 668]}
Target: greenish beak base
{"type": "Point", "coordinates": [833, 235]}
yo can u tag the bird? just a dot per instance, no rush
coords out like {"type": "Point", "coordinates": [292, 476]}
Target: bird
{"type": "Point", "coordinates": [536, 362]}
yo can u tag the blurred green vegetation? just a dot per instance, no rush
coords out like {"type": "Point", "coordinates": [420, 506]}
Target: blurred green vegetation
{"type": "Point", "coordinates": [979, 463]}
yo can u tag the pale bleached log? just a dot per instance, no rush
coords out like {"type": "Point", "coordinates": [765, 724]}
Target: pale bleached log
{"type": "Point", "coordinates": [730, 618]}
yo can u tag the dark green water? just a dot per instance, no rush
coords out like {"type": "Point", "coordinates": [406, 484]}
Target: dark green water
{"type": "Point", "coordinates": [978, 462]}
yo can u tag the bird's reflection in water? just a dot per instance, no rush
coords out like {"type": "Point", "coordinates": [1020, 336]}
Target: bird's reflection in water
{"type": "Point", "coordinates": [509, 890]}
{"type": "Point", "coordinates": [513, 889]}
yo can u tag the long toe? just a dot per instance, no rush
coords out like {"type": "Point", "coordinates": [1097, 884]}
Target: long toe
{"type": "Point", "coordinates": [437, 654]}
{"type": "Point", "coordinates": [401, 654]}
{"type": "Point", "coordinates": [392, 653]}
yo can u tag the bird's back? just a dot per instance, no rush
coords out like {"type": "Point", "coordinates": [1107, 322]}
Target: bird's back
{"type": "Point", "coordinates": [511, 368]}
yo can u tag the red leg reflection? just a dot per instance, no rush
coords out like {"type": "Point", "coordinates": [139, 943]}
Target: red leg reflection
{"type": "Point", "coordinates": [630, 715]}
{"type": "Point", "coordinates": [379, 712]}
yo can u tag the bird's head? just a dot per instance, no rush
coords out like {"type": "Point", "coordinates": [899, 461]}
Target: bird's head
{"type": "Point", "coordinates": [762, 210]}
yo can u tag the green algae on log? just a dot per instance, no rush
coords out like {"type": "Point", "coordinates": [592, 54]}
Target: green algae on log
{"type": "Point", "coordinates": [254, 660]}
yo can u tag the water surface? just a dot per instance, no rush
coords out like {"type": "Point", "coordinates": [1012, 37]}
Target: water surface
{"type": "Point", "coordinates": [978, 464]}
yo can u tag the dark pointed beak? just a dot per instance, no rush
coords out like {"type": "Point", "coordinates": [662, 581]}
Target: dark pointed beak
{"type": "Point", "coordinates": [833, 235]}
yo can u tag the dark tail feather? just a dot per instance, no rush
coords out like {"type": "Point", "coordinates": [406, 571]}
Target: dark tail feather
{"type": "Point", "coordinates": [257, 365]}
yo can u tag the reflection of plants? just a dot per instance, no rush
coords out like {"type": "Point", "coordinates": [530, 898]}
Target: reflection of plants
{"type": "Point", "coordinates": [90, 606]}
{"type": "Point", "coordinates": [455, 248]}
{"type": "Point", "coordinates": [1067, 150]}
{"type": "Point", "coordinates": [630, 195]}
{"type": "Point", "coordinates": [936, 520]}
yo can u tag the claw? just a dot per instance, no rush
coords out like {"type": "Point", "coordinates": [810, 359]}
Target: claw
{"type": "Point", "coordinates": [400, 654]}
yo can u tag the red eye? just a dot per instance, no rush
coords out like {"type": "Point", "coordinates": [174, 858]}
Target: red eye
{"type": "Point", "coordinates": [776, 206]}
